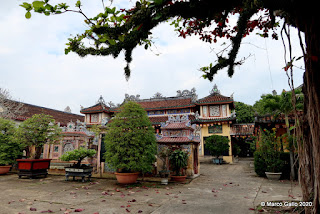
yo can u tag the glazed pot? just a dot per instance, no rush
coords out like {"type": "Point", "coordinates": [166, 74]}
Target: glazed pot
{"type": "Point", "coordinates": [33, 167]}
{"type": "Point", "coordinates": [4, 169]}
{"type": "Point", "coordinates": [127, 178]}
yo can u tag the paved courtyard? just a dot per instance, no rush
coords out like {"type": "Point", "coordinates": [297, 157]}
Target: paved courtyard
{"type": "Point", "coordinates": [232, 188]}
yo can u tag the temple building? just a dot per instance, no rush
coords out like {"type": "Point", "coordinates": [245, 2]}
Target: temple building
{"type": "Point", "coordinates": [213, 114]}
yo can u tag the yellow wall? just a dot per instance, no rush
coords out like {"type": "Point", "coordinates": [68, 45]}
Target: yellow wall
{"type": "Point", "coordinates": [225, 132]}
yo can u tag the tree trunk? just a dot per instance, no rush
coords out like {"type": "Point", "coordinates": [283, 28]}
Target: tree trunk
{"type": "Point", "coordinates": [309, 148]}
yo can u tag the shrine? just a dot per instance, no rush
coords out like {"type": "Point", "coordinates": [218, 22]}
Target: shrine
{"type": "Point", "coordinates": [178, 133]}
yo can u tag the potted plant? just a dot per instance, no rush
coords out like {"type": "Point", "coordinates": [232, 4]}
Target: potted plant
{"type": "Point", "coordinates": [164, 157]}
{"type": "Point", "coordinates": [179, 161]}
{"type": "Point", "coordinates": [130, 143]}
{"type": "Point", "coordinates": [269, 148]}
{"type": "Point", "coordinates": [10, 149]}
{"type": "Point", "coordinates": [77, 169]}
{"type": "Point", "coordinates": [217, 145]}
{"type": "Point", "coordinates": [33, 133]}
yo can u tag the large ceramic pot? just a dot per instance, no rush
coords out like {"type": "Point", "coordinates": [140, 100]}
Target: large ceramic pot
{"type": "Point", "coordinates": [79, 172]}
{"type": "Point", "coordinates": [127, 178]}
{"type": "Point", "coordinates": [177, 178]}
{"type": "Point", "coordinates": [273, 175]}
{"type": "Point", "coordinates": [4, 169]}
{"type": "Point", "coordinates": [33, 167]}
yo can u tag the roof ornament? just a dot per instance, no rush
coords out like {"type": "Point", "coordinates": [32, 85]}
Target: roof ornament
{"type": "Point", "coordinates": [101, 100]}
{"type": "Point", "coordinates": [132, 97]}
{"type": "Point", "coordinates": [187, 93]}
{"type": "Point", "coordinates": [215, 90]}
{"type": "Point", "coordinates": [157, 95]}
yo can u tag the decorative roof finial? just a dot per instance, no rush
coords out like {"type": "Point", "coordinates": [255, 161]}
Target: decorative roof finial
{"type": "Point", "coordinates": [101, 100]}
{"type": "Point", "coordinates": [215, 90]}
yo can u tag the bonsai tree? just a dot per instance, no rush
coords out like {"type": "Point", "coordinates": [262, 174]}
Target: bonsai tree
{"type": "Point", "coordinates": [10, 149]}
{"type": "Point", "coordinates": [36, 131]}
{"type": "Point", "coordinates": [178, 160]}
{"type": "Point", "coordinates": [217, 145]}
{"type": "Point", "coordinates": [130, 140]}
{"type": "Point", "coordinates": [78, 155]}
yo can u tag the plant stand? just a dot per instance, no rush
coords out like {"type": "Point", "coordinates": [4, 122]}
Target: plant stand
{"type": "Point", "coordinates": [79, 172]}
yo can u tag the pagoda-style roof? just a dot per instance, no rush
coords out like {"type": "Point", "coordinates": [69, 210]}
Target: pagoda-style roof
{"type": "Point", "coordinates": [97, 108]}
{"type": "Point", "coordinates": [214, 98]}
{"type": "Point", "coordinates": [178, 130]}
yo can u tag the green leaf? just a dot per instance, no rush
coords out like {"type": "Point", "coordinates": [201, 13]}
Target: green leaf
{"type": "Point", "coordinates": [28, 15]}
{"type": "Point", "coordinates": [78, 4]}
{"type": "Point", "coordinates": [37, 4]}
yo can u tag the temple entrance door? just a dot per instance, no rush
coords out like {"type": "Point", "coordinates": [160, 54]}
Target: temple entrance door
{"type": "Point", "coordinates": [195, 160]}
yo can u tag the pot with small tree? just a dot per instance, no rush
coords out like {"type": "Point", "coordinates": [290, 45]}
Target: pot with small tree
{"type": "Point", "coordinates": [33, 133]}
{"type": "Point", "coordinates": [10, 149]}
{"type": "Point", "coordinates": [179, 162]}
{"type": "Point", "coordinates": [77, 169]}
{"type": "Point", "coordinates": [130, 143]}
{"type": "Point", "coordinates": [217, 145]}
{"type": "Point", "coordinates": [269, 150]}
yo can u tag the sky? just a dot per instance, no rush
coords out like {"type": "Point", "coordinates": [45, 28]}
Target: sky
{"type": "Point", "coordinates": [34, 68]}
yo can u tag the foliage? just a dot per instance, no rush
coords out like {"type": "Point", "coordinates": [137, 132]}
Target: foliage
{"type": "Point", "coordinates": [37, 131]}
{"type": "Point", "coordinates": [260, 166]}
{"type": "Point", "coordinates": [245, 113]}
{"type": "Point", "coordinates": [277, 104]}
{"type": "Point", "coordinates": [217, 145]}
{"type": "Point", "coordinates": [178, 160]}
{"type": "Point", "coordinates": [10, 149]}
{"type": "Point", "coordinates": [269, 149]}
{"type": "Point", "coordinates": [112, 30]}
{"type": "Point", "coordinates": [78, 155]}
{"type": "Point", "coordinates": [130, 140]}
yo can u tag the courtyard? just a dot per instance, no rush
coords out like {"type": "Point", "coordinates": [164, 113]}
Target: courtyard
{"type": "Point", "coordinates": [228, 188]}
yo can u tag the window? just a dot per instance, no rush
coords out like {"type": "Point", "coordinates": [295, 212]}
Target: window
{"type": "Point", "coordinates": [214, 111]}
{"type": "Point", "coordinates": [215, 129]}
{"type": "Point", "coordinates": [205, 112]}
{"type": "Point", "coordinates": [94, 118]}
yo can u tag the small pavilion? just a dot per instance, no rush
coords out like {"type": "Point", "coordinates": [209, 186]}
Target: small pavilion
{"type": "Point", "coordinates": [178, 133]}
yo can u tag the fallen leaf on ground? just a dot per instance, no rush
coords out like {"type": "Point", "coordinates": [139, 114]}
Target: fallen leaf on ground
{"type": "Point", "coordinates": [251, 209]}
{"type": "Point", "coordinates": [128, 210]}
{"type": "Point", "coordinates": [78, 210]}
{"type": "Point", "coordinates": [140, 211]}
{"type": "Point", "coordinates": [46, 211]}
{"type": "Point", "coordinates": [33, 209]}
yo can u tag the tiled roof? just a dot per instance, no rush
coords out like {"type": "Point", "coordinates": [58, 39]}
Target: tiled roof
{"type": "Point", "coordinates": [167, 103]}
{"type": "Point", "coordinates": [99, 107]}
{"type": "Point", "coordinates": [181, 125]}
{"type": "Point", "coordinates": [176, 140]}
{"type": "Point", "coordinates": [60, 116]}
{"type": "Point", "coordinates": [215, 119]}
{"type": "Point", "coordinates": [214, 99]}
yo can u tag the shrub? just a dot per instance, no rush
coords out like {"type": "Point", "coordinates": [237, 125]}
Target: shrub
{"type": "Point", "coordinates": [10, 148]}
{"type": "Point", "coordinates": [178, 160]}
{"type": "Point", "coordinates": [217, 145]}
{"type": "Point", "coordinates": [130, 140]}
